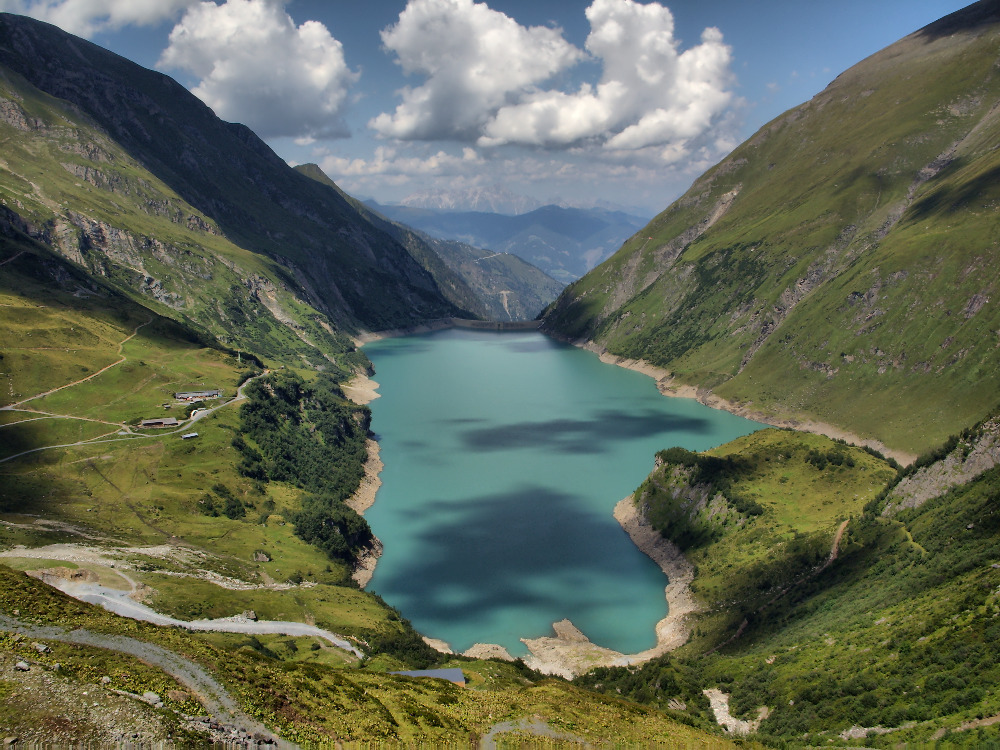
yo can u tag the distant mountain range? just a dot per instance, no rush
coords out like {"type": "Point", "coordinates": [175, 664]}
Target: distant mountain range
{"type": "Point", "coordinates": [493, 199]}
{"type": "Point", "coordinates": [563, 242]}
{"type": "Point", "coordinates": [501, 286]}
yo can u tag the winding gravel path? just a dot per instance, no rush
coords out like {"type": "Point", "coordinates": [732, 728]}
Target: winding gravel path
{"type": "Point", "coordinates": [213, 696]}
{"type": "Point", "coordinates": [119, 602]}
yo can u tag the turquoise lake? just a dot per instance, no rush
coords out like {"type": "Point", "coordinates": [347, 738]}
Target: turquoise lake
{"type": "Point", "coordinates": [505, 454]}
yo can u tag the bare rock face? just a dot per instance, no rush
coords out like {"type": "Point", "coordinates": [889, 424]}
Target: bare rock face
{"type": "Point", "coordinates": [12, 114]}
{"type": "Point", "coordinates": [152, 699]}
{"type": "Point", "coordinates": [972, 455]}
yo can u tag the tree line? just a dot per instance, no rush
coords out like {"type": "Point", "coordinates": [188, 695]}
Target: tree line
{"type": "Point", "coordinates": [309, 435]}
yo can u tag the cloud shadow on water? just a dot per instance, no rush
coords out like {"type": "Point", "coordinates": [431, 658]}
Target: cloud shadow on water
{"type": "Point", "coordinates": [532, 346]}
{"type": "Point", "coordinates": [399, 346]}
{"type": "Point", "coordinates": [581, 435]}
{"type": "Point", "coordinates": [499, 551]}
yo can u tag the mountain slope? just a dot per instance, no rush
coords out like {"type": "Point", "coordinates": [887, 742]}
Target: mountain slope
{"type": "Point", "coordinates": [493, 286]}
{"type": "Point", "coordinates": [113, 151]}
{"type": "Point", "coordinates": [563, 242]}
{"type": "Point", "coordinates": [837, 265]}
{"type": "Point", "coordinates": [510, 287]}
{"type": "Point", "coordinates": [860, 628]}
{"type": "Point", "coordinates": [452, 286]}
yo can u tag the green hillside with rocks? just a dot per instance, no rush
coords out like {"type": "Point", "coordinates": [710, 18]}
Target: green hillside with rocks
{"type": "Point", "coordinates": [839, 601]}
{"type": "Point", "coordinates": [177, 441]}
{"type": "Point", "coordinates": [839, 265]}
{"type": "Point", "coordinates": [149, 250]}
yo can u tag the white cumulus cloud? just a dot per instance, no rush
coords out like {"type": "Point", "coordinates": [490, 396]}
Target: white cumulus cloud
{"type": "Point", "coordinates": [87, 17]}
{"type": "Point", "coordinates": [388, 161]}
{"type": "Point", "coordinates": [485, 75]}
{"type": "Point", "coordinates": [650, 93]}
{"type": "Point", "coordinates": [474, 59]}
{"type": "Point", "coordinates": [257, 67]}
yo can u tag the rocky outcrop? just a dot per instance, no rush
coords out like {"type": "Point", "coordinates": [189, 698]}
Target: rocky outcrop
{"type": "Point", "coordinates": [12, 114]}
{"type": "Point", "coordinates": [972, 455]}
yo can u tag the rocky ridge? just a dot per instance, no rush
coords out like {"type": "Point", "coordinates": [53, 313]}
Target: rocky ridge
{"type": "Point", "coordinates": [973, 454]}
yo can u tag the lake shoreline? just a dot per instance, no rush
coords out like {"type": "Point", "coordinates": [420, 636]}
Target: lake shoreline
{"type": "Point", "coordinates": [570, 653]}
{"type": "Point", "coordinates": [362, 390]}
{"type": "Point", "coordinates": [667, 384]}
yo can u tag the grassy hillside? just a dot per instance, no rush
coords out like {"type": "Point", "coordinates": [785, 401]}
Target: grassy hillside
{"type": "Point", "coordinates": [285, 683]}
{"type": "Point", "coordinates": [66, 187]}
{"type": "Point", "coordinates": [757, 515]}
{"type": "Point", "coordinates": [834, 266]}
{"type": "Point", "coordinates": [888, 640]}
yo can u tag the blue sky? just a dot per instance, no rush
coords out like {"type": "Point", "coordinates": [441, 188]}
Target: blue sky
{"type": "Point", "coordinates": [584, 101]}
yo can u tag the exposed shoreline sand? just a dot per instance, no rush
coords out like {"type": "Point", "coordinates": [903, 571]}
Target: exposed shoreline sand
{"type": "Point", "coordinates": [668, 386]}
{"type": "Point", "coordinates": [363, 390]}
{"type": "Point", "coordinates": [570, 653]}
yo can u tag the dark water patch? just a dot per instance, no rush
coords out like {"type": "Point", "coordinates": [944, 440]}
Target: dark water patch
{"type": "Point", "coordinates": [404, 347]}
{"type": "Point", "coordinates": [521, 346]}
{"type": "Point", "coordinates": [500, 551]}
{"type": "Point", "coordinates": [581, 435]}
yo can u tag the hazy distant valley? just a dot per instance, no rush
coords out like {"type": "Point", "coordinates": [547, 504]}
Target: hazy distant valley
{"type": "Point", "coordinates": [834, 580]}
{"type": "Point", "coordinates": [564, 242]}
